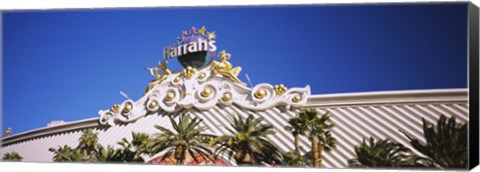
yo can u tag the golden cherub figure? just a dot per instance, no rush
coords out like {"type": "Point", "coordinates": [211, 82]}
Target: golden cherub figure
{"type": "Point", "coordinates": [159, 77]}
{"type": "Point", "coordinates": [225, 68]}
{"type": "Point", "coordinates": [8, 132]}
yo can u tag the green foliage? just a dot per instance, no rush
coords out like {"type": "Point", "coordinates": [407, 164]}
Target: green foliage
{"type": "Point", "coordinates": [88, 141]}
{"type": "Point", "coordinates": [446, 143]}
{"type": "Point", "coordinates": [318, 128]}
{"type": "Point", "coordinates": [88, 150]}
{"type": "Point", "coordinates": [445, 147]}
{"type": "Point", "coordinates": [248, 143]}
{"type": "Point", "coordinates": [381, 153]}
{"type": "Point", "coordinates": [296, 127]}
{"type": "Point", "coordinates": [182, 141]}
{"type": "Point", "coordinates": [131, 150]}
{"type": "Point", "coordinates": [12, 156]}
{"type": "Point", "coordinates": [66, 153]}
{"type": "Point", "coordinates": [293, 159]}
{"type": "Point", "coordinates": [106, 154]}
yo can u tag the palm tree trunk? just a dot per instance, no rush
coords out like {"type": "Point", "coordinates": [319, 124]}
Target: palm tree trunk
{"type": "Point", "coordinates": [315, 151]}
{"type": "Point", "coordinates": [252, 160]}
{"type": "Point", "coordinates": [181, 158]}
{"type": "Point", "coordinates": [296, 142]}
{"type": "Point", "coordinates": [320, 155]}
{"type": "Point", "coordinates": [244, 156]}
{"type": "Point", "coordinates": [180, 154]}
{"type": "Point", "coordinates": [179, 161]}
{"type": "Point", "coordinates": [240, 157]}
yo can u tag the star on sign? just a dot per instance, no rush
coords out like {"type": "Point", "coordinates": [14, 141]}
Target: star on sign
{"type": "Point", "coordinates": [202, 30]}
{"type": "Point", "coordinates": [192, 31]}
{"type": "Point", "coordinates": [211, 35]}
{"type": "Point", "coordinates": [224, 54]}
{"type": "Point", "coordinates": [184, 34]}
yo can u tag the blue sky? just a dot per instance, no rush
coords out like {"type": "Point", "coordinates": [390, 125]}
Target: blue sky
{"type": "Point", "coordinates": [69, 64]}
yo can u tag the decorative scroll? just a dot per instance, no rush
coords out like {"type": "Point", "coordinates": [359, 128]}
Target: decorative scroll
{"type": "Point", "coordinates": [203, 90]}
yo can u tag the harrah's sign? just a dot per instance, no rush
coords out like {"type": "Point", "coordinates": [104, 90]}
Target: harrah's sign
{"type": "Point", "coordinates": [194, 41]}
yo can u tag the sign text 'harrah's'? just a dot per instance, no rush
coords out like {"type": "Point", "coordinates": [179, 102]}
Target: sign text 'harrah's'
{"type": "Point", "coordinates": [190, 47]}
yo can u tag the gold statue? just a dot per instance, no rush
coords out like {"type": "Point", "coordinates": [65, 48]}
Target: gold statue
{"type": "Point", "coordinates": [225, 68]}
{"type": "Point", "coordinates": [159, 77]}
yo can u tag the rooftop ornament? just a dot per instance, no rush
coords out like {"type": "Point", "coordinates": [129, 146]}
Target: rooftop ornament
{"type": "Point", "coordinates": [202, 84]}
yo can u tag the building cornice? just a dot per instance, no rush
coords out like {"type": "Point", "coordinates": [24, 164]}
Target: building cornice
{"type": "Point", "coordinates": [46, 131]}
{"type": "Point", "coordinates": [457, 95]}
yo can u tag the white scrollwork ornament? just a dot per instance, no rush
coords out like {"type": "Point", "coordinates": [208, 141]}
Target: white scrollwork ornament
{"type": "Point", "coordinates": [203, 91]}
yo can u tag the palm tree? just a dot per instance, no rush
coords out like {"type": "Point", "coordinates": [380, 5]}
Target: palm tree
{"type": "Point", "coordinates": [87, 150]}
{"type": "Point", "coordinates": [106, 155]}
{"type": "Point", "coordinates": [182, 141]}
{"type": "Point", "coordinates": [293, 159]}
{"type": "Point", "coordinates": [297, 127]}
{"type": "Point", "coordinates": [88, 142]}
{"type": "Point", "coordinates": [248, 142]}
{"type": "Point", "coordinates": [12, 156]}
{"type": "Point", "coordinates": [131, 150]}
{"type": "Point", "coordinates": [66, 153]}
{"type": "Point", "coordinates": [381, 153]}
{"type": "Point", "coordinates": [318, 128]}
{"type": "Point", "coordinates": [446, 143]}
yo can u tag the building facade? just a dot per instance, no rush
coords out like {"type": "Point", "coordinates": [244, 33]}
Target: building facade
{"type": "Point", "coordinates": [213, 97]}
